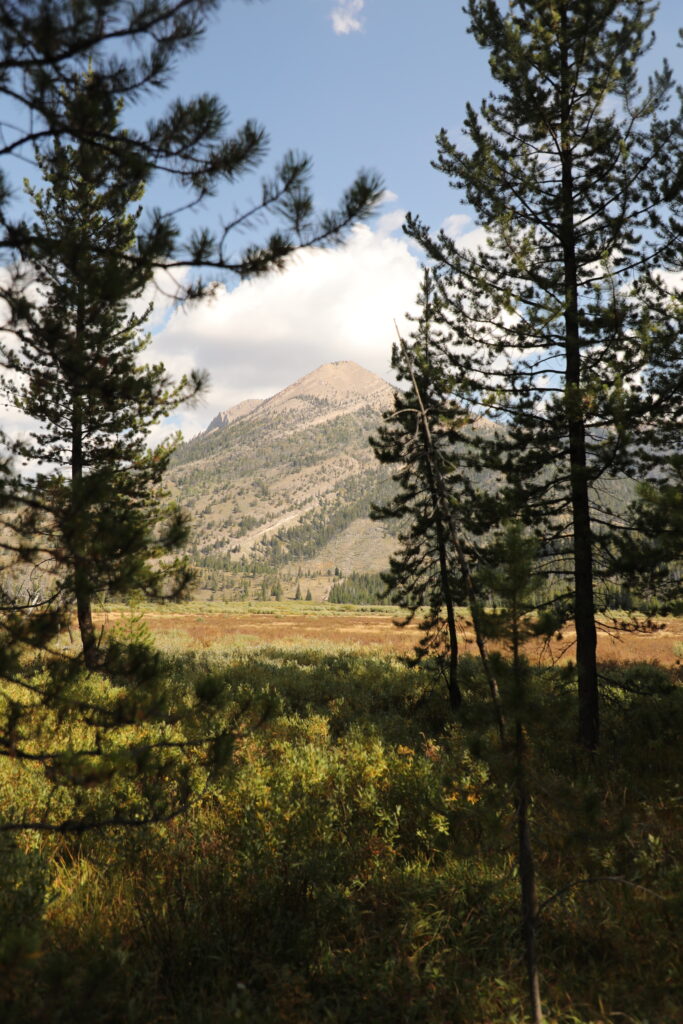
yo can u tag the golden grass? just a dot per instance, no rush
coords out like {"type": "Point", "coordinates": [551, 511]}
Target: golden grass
{"type": "Point", "coordinates": [211, 623]}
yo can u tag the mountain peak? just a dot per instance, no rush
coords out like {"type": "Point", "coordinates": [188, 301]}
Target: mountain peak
{"type": "Point", "coordinates": [324, 393]}
{"type": "Point", "coordinates": [340, 383]}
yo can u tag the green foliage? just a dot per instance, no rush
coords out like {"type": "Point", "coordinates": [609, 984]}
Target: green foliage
{"type": "Point", "coordinates": [354, 862]}
{"type": "Point", "coordinates": [561, 328]}
{"type": "Point", "coordinates": [428, 437]}
{"type": "Point", "coordinates": [130, 49]}
{"type": "Point", "coordinates": [360, 588]}
{"type": "Point", "coordinates": [98, 518]}
{"type": "Point", "coordinates": [126, 746]}
{"type": "Point", "coordinates": [651, 552]}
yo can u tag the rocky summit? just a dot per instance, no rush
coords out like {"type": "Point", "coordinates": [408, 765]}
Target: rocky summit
{"type": "Point", "coordinates": [281, 488]}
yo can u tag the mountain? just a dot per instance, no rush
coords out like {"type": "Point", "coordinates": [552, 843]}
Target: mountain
{"type": "Point", "coordinates": [234, 413]}
{"type": "Point", "coordinates": [282, 487]}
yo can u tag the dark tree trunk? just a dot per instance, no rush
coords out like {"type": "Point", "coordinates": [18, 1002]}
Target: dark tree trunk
{"type": "Point", "coordinates": [439, 501]}
{"type": "Point", "coordinates": [454, 691]}
{"type": "Point", "coordinates": [584, 599]}
{"type": "Point", "coordinates": [475, 613]}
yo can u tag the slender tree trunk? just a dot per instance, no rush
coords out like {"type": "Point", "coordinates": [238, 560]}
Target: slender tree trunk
{"type": "Point", "coordinates": [479, 632]}
{"type": "Point", "coordinates": [527, 872]}
{"type": "Point", "coordinates": [436, 494]}
{"type": "Point", "coordinates": [527, 879]}
{"type": "Point", "coordinates": [81, 582]}
{"type": "Point", "coordinates": [584, 598]}
{"type": "Point", "coordinates": [454, 691]}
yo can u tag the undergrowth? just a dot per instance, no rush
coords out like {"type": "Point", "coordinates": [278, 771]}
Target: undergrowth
{"type": "Point", "coordinates": [356, 863]}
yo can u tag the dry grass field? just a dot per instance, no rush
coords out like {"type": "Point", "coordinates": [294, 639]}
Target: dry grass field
{"type": "Point", "coordinates": [209, 624]}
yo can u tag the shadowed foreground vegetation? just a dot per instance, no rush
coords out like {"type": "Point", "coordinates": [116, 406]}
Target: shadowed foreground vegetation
{"type": "Point", "coordinates": [356, 862]}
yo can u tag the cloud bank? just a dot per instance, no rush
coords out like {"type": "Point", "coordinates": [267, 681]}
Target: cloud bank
{"type": "Point", "coordinates": [264, 334]}
{"type": "Point", "coordinates": [346, 16]}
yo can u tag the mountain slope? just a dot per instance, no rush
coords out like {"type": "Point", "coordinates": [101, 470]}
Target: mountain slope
{"type": "Point", "coordinates": [284, 485]}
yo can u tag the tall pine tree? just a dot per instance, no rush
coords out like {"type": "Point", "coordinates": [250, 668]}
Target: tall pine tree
{"type": "Point", "coordinates": [429, 435]}
{"type": "Point", "coordinates": [564, 328]}
{"type": "Point", "coordinates": [94, 519]}
{"type": "Point", "coordinates": [127, 51]}
{"type": "Point", "coordinates": [102, 522]}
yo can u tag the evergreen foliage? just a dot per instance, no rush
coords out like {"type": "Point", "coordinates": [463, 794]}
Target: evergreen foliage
{"type": "Point", "coordinates": [441, 498]}
{"type": "Point", "coordinates": [650, 552]}
{"type": "Point", "coordinates": [420, 437]}
{"type": "Point", "coordinates": [563, 328]}
{"type": "Point", "coordinates": [360, 588]}
{"type": "Point", "coordinates": [100, 520]}
{"type": "Point", "coordinates": [125, 51]}
{"type": "Point", "coordinates": [130, 50]}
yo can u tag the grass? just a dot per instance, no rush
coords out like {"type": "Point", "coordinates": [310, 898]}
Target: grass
{"type": "Point", "coordinates": [286, 606]}
{"type": "Point", "coordinates": [211, 624]}
{"type": "Point", "coordinates": [355, 862]}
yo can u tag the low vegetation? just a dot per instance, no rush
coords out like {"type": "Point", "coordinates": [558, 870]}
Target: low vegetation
{"type": "Point", "coordinates": [355, 860]}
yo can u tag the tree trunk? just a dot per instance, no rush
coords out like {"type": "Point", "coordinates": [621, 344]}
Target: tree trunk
{"type": "Point", "coordinates": [80, 566]}
{"type": "Point", "coordinates": [584, 600]}
{"type": "Point", "coordinates": [475, 613]}
{"type": "Point", "coordinates": [85, 623]}
{"type": "Point", "coordinates": [454, 692]}
{"type": "Point", "coordinates": [438, 497]}
{"type": "Point", "coordinates": [527, 880]}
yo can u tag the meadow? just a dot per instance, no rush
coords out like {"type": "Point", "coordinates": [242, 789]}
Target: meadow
{"type": "Point", "coordinates": [205, 624]}
{"type": "Point", "coordinates": [355, 860]}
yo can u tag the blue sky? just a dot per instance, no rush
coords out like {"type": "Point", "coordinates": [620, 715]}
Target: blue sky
{"type": "Point", "coordinates": [358, 83]}
{"type": "Point", "coordinates": [354, 83]}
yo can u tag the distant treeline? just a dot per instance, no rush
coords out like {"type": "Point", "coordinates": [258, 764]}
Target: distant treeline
{"type": "Point", "coordinates": [360, 588]}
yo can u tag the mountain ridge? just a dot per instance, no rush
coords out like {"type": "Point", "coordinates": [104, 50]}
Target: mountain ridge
{"type": "Point", "coordinates": [342, 386]}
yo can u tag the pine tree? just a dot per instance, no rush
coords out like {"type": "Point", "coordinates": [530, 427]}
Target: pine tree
{"type": "Point", "coordinates": [431, 437]}
{"type": "Point", "coordinates": [128, 50]}
{"type": "Point", "coordinates": [564, 329]}
{"type": "Point", "coordinates": [418, 437]}
{"type": "Point", "coordinates": [650, 551]}
{"type": "Point", "coordinates": [116, 747]}
{"type": "Point", "coordinates": [508, 574]}
{"type": "Point", "coordinates": [105, 524]}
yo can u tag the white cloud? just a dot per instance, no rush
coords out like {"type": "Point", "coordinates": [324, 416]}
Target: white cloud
{"type": "Point", "coordinates": [346, 16]}
{"type": "Point", "coordinates": [455, 227]}
{"type": "Point", "coordinates": [266, 333]}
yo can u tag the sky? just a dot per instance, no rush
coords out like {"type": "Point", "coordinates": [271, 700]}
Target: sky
{"type": "Point", "coordinates": [356, 84]}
